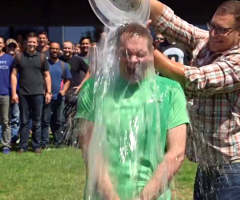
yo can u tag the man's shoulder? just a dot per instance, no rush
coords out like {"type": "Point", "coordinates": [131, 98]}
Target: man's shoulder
{"type": "Point", "coordinates": [78, 59]}
{"type": "Point", "coordinates": [6, 57]}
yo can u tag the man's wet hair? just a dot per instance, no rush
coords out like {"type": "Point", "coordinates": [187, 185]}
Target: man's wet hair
{"type": "Point", "coordinates": [133, 30]}
{"type": "Point", "coordinates": [230, 7]}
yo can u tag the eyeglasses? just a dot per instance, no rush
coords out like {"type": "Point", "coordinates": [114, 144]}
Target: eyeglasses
{"type": "Point", "coordinates": [159, 39]}
{"type": "Point", "coordinates": [218, 29]}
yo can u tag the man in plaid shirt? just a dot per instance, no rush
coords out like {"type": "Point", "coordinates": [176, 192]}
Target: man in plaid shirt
{"type": "Point", "coordinates": [212, 85]}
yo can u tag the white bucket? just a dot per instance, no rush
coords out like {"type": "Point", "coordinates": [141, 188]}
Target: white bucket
{"type": "Point", "coordinates": [114, 13]}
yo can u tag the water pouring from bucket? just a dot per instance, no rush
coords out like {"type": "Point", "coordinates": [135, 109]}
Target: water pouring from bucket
{"type": "Point", "coordinates": [123, 110]}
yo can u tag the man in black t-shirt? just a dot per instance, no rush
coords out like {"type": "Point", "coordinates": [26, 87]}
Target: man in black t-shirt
{"type": "Point", "coordinates": [80, 73]}
{"type": "Point", "coordinates": [34, 84]}
{"type": "Point", "coordinates": [79, 69]}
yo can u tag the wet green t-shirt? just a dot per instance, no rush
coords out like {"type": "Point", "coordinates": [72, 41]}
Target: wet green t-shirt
{"type": "Point", "coordinates": [136, 120]}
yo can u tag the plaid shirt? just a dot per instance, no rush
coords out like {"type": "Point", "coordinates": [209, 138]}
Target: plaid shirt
{"type": "Point", "coordinates": [213, 92]}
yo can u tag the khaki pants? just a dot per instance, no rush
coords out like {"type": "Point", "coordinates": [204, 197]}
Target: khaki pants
{"type": "Point", "coordinates": [4, 121]}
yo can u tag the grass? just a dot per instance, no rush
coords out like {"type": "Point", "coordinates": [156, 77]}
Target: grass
{"type": "Point", "coordinates": [59, 174]}
{"type": "Point", "coordinates": [184, 181]}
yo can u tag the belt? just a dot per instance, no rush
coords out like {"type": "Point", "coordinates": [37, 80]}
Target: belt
{"type": "Point", "coordinates": [217, 167]}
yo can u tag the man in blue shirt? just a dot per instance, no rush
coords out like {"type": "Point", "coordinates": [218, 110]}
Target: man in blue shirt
{"type": "Point", "coordinates": [5, 70]}
{"type": "Point", "coordinates": [53, 112]}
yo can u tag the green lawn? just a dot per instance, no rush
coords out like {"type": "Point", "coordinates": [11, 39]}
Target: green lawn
{"type": "Point", "coordinates": [59, 174]}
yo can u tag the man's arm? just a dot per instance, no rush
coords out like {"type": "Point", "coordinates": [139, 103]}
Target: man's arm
{"type": "Point", "coordinates": [86, 77]}
{"type": "Point", "coordinates": [14, 85]}
{"type": "Point", "coordinates": [156, 8]}
{"type": "Point", "coordinates": [48, 83]}
{"type": "Point", "coordinates": [216, 78]}
{"type": "Point", "coordinates": [169, 68]}
{"type": "Point", "coordinates": [173, 28]}
{"type": "Point", "coordinates": [173, 159]}
{"type": "Point", "coordinates": [66, 86]}
{"type": "Point", "coordinates": [99, 168]}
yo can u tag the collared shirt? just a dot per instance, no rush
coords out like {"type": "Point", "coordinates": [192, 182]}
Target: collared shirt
{"type": "Point", "coordinates": [213, 91]}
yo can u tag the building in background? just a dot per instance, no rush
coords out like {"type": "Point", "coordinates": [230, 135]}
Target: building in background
{"type": "Point", "coordinates": [55, 33]}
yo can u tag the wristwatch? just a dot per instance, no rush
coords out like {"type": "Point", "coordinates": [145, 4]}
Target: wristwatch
{"type": "Point", "coordinates": [49, 93]}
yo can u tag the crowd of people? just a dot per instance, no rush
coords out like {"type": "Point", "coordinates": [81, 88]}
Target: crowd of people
{"type": "Point", "coordinates": [38, 80]}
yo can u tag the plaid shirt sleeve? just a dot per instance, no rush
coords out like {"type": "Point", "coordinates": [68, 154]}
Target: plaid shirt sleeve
{"type": "Point", "coordinates": [222, 76]}
{"type": "Point", "coordinates": [176, 29]}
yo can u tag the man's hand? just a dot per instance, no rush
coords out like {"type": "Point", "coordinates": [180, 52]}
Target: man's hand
{"type": "Point", "coordinates": [48, 97]}
{"type": "Point", "coordinates": [151, 190]}
{"type": "Point", "coordinates": [15, 99]}
{"type": "Point", "coordinates": [77, 89]}
{"type": "Point", "coordinates": [62, 93]}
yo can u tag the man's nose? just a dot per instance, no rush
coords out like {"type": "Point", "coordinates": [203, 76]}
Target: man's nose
{"type": "Point", "coordinates": [133, 59]}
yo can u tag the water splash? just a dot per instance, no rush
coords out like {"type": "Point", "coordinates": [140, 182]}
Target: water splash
{"type": "Point", "coordinates": [127, 130]}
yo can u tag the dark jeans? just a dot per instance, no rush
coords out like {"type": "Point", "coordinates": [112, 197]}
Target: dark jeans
{"type": "Point", "coordinates": [218, 184]}
{"type": "Point", "coordinates": [52, 117]}
{"type": "Point", "coordinates": [14, 121]}
{"type": "Point", "coordinates": [30, 104]}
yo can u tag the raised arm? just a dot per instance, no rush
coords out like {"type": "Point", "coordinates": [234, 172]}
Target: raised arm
{"type": "Point", "coordinates": [172, 27]}
{"type": "Point", "coordinates": [156, 10]}
{"type": "Point", "coordinates": [221, 76]}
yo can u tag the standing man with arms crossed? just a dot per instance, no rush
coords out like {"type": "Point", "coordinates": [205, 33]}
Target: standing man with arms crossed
{"type": "Point", "coordinates": [212, 85]}
{"type": "Point", "coordinates": [34, 84]}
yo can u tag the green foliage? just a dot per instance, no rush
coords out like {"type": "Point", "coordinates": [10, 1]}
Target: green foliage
{"type": "Point", "coordinates": [59, 174]}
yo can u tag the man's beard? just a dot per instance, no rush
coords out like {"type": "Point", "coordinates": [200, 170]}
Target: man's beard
{"type": "Point", "coordinates": [137, 73]}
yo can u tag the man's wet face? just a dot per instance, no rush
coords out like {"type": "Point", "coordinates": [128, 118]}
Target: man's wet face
{"type": "Point", "coordinates": [135, 58]}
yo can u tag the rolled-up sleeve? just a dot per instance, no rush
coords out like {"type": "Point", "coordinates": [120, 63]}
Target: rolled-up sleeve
{"type": "Point", "coordinates": [176, 29]}
{"type": "Point", "coordinates": [222, 76]}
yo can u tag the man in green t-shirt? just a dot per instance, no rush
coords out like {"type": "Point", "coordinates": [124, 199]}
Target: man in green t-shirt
{"type": "Point", "coordinates": [132, 131]}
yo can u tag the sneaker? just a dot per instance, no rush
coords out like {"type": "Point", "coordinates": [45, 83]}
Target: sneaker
{"type": "Point", "coordinates": [21, 150]}
{"type": "Point", "coordinates": [6, 150]}
{"type": "Point", "coordinates": [38, 150]}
